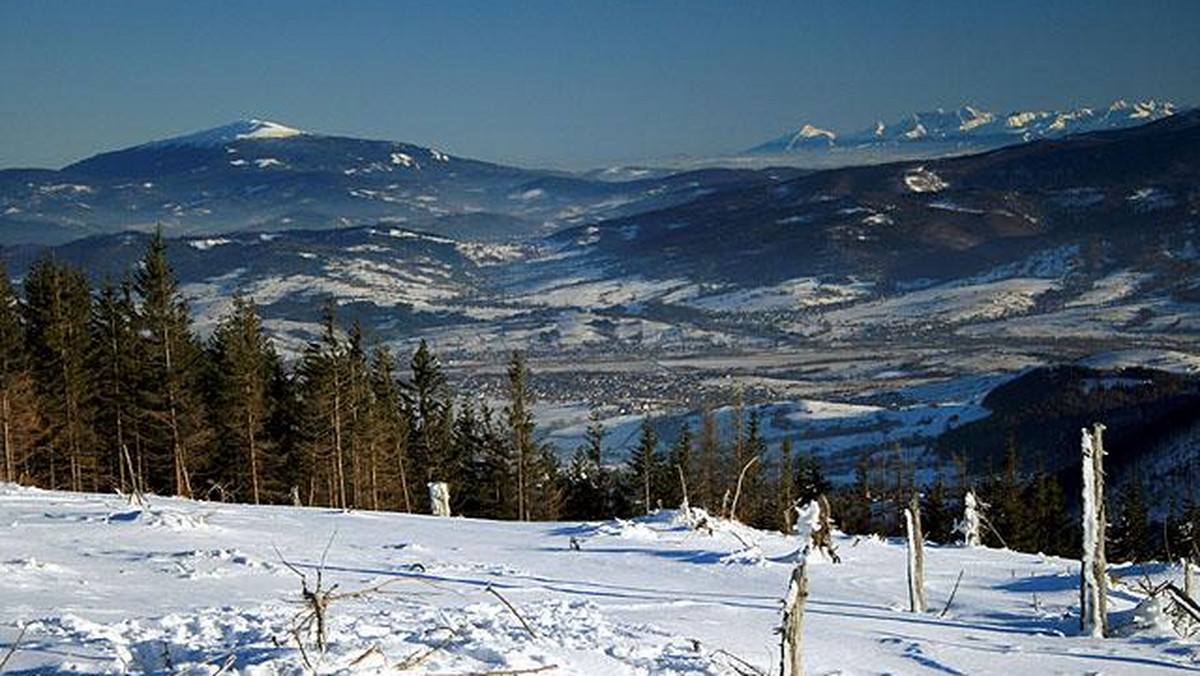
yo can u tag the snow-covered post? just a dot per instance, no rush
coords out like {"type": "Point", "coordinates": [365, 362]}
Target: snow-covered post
{"type": "Point", "coordinates": [968, 527]}
{"type": "Point", "coordinates": [1093, 574]}
{"type": "Point", "coordinates": [439, 498]}
{"type": "Point", "coordinates": [790, 658]}
{"type": "Point", "coordinates": [814, 530]}
{"type": "Point", "coordinates": [916, 557]}
{"type": "Point", "coordinates": [1188, 582]}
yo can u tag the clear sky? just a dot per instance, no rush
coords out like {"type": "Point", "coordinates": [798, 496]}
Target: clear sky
{"type": "Point", "coordinates": [563, 82]}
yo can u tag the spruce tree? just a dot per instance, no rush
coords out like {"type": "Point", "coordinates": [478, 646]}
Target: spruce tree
{"type": "Point", "coordinates": [394, 428]}
{"type": "Point", "coordinates": [787, 487]}
{"type": "Point", "coordinates": [679, 463]}
{"type": "Point", "coordinates": [172, 365]}
{"type": "Point", "coordinates": [520, 430]}
{"type": "Point", "coordinates": [18, 414]}
{"type": "Point", "coordinates": [114, 363]}
{"type": "Point", "coordinates": [752, 504]}
{"type": "Point", "coordinates": [323, 393]}
{"type": "Point", "coordinates": [710, 487]}
{"type": "Point", "coordinates": [1130, 530]}
{"type": "Point", "coordinates": [243, 365]}
{"type": "Point", "coordinates": [430, 408]}
{"type": "Point", "coordinates": [58, 308]}
{"type": "Point", "coordinates": [644, 465]}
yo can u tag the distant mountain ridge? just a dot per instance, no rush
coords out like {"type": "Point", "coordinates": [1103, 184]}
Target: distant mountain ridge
{"type": "Point", "coordinates": [266, 176]}
{"type": "Point", "coordinates": [970, 126]}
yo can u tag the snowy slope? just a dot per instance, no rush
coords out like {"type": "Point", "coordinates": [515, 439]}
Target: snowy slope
{"type": "Point", "coordinates": [198, 588]}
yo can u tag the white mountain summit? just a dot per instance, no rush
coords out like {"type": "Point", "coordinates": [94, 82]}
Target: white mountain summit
{"type": "Point", "coordinates": [234, 131]}
{"type": "Point", "coordinates": [971, 127]}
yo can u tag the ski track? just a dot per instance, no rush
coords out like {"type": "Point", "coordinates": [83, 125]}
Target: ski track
{"type": "Point", "coordinates": [187, 587]}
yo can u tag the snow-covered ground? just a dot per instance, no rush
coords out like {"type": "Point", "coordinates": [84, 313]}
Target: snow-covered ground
{"type": "Point", "coordinates": [202, 588]}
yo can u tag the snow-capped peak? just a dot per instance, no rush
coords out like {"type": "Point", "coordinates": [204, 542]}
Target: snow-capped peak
{"type": "Point", "coordinates": [235, 131]}
{"type": "Point", "coordinates": [809, 134]}
{"type": "Point", "coordinates": [973, 117]}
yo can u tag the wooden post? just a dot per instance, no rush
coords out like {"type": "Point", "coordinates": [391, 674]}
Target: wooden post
{"type": "Point", "coordinates": [791, 653]}
{"type": "Point", "coordinates": [1188, 582]}
{"type": "Point", "coordinates": [916, 557]}
{"type": "Point", "coordinates": [439, 498]}
{"type": "Point", "coordinates": [1093, 582]}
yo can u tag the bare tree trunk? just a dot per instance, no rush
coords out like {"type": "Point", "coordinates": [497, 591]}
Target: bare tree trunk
{"type": "Point", "coordinates": [374, 476]}
{"type": "Point", "coordinates": [521, 514]}
{"type": "Point", "coordinates": [686, 504]}
{"type": "Point", "coordinates": [737, 494]}
{"type": "Point", "coordinates": [250, 444]}
{"type": "Point", "coordinates": [916, 557]}
{"type": "Point", "coordinates": [1093, 578]}
{"type": "Point", "coordinates": [403, 475]}
{"type": "Point", "coordinates": [791, 653]}
{"type": "Point", "coordinates": [339, 474]}
{"type": "Point", "coordinates": [8, 450]}
{"type": "Point", "coordinates": [183, 482]}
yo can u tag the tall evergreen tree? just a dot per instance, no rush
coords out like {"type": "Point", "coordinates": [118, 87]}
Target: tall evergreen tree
{"type": "Point", "coordinates": [362, 427]}
{"type": "Point", "coordinates": [243, 365]}
{"type": "Point", "coordinates": [115, 366]}
{"type": "Point", "coordinates": [710, 487]}
{"type": "Point", "coordinates": [787, 486]}
{"type": "Point", "coordinates": [394, 427]}
{"type": "Point", "coordinates": [520, 430]}
{"type": "Point", "coordinates": [323, 393]}
{"type": "Point", "coordinates": [644, 464]}
{"type": "Point", "coordinates": [430, 407]}
{"type": "Point", "coordinates": [679, 463]}
{"type": "Point", "coordinates": [754, 449]}
{"type": "Point", "coordinates": [58, 311]}
{"type": "Point", "coordinates": [171, 368]}
{"type": "Point", "coordinates": [1129, 533]}
{"type": "Point", "coordinates": [18, 413]}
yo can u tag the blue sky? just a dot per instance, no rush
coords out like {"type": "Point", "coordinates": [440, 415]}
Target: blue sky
{"type": "Point", "coordinates": [562, 82]}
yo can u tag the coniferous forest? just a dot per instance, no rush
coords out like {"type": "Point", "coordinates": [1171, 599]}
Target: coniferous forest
{"type": "Point", "coordinates": [111, 389]}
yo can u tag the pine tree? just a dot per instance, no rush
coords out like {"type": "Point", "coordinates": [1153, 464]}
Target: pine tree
{"type": "Point", "coordinates": [787, 487]}
{"type": "Point", "coordinates": [520, 430]}
{"type": "Point", "coordinates": [1129, 533]}
{"type": "Point", "coordinates": [243, 364]}
{"type": "Point", "coordinates": [58, 310]}
{"type": "Point", "coordinates": [644, 465]}
{"type": "Point", "coordinates": [545, 485]}
{"type": "Point", "coordinates": [810, 481]}
{"type": "Point", "coordinates": [171, 368]}
{"type": "Point", "coordinates": [322, 387]}
{"type": "Point", "coordinates": [1050, 530]}
{"type": "Point", "coordinates": [430, 408]}
{"type": "Point", "coordinates": [937, 519]}
{"type": "Point", "coordinates": [679, 463]}
{"type": "Point", "coordinates": [114, 364]}
{"type": "Point", "coordinates": [752, 505]}
{"type": "Point", "coordinates": [586, 478]}
{"type": "Point", "coordinates": [394, 427]}
{"type": "Point", "coordinates": [709, 488]}
{"type": "Point", "coordinates": [1006, 495]}
{"type": "Point", "coordinates": [18, 413]}
{"type": "Point", "coordinates": [361, 424]}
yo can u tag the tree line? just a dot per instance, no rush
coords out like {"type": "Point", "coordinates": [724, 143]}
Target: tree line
{"type": "Point", "coordinates": [110, 388]}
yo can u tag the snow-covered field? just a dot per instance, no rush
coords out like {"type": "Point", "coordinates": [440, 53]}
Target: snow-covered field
{"type": "Point", "coordinates": [201, 588]}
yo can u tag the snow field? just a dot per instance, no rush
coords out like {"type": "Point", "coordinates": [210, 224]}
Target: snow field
{"type": "Point", "coordinates": [199, 588]}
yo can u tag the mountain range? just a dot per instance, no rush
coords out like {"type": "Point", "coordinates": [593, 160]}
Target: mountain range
{"type": "Point", "coordinates": [876, 305]}
{"type": "Point", "coordinates": [264, 176]}
{"type": "Point", "coordinates": [966, 128]}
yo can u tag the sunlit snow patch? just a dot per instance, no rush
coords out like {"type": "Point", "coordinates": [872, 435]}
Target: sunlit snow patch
{"type": "Point", "coordinates": [924, 180]}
